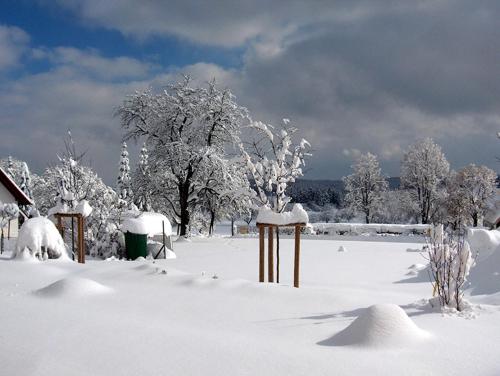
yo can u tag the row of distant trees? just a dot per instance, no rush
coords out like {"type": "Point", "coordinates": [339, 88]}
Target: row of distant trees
{"type": "Point", "coordinates": [430, 191]}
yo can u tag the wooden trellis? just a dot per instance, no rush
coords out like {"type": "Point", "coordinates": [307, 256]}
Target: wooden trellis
{"type": "Point", "coordinates": [80, 224]}
{"type": "Point", "coordinates": [270, 252]}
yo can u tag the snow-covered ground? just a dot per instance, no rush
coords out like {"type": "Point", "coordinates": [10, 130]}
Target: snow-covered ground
{"type": "Point", "coordinates": [172, 317]}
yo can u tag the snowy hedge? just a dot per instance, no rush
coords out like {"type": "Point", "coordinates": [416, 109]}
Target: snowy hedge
{"type": "Point", "coordinates": [371, 228]}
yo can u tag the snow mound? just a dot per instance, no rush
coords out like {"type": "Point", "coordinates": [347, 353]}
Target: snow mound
{"type": "Point", "coordinates": [484, 242]}
{"type": "Point", "coordinates": [73, 287]}
{"type": "Point", "coordinates": [40, 232]}
{"type": "Point", "coordinates": [297, 215]}
{"type": "Point", "coordinates": [381, 325]}
{"type": "Point", "coordinates": [342, 249]}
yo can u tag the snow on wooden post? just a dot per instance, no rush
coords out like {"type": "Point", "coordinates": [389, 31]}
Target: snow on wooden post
{"type": "Point", "coordinates": [270, 255]}
{"type": "Point", "coordinates": [297, 218]}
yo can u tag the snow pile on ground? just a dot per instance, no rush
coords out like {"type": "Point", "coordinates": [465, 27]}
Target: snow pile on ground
{"type": "Point", "coordinates": [380, 325]}
{"type": "Point", "coordinates": [73, 287]}
{"type": "Point", "coordinates": [147, 223]}
{"type": "Point", "coordinates": [297, 215]}
{"type": "Point", "coordinates": [484, 276]}
{"type": "Point", "coordinates": [40, 232]}
{"type": "Point", "coordinates": [483, 242]}
{"type": "Point", "coordinates": [370, 228]}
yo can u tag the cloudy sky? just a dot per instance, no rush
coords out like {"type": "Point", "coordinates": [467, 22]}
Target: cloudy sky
{"type": "Point", "coordinates": [354, 76]}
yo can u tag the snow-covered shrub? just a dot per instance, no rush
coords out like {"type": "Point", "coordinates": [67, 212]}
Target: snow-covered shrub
{"type": "Point", "coordinates": [450, 261]}
{"type": "Point", "coordinates": [40, 237]}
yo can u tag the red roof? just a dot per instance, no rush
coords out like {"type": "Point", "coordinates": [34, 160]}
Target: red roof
{"type": "Point", "coordinates": [12, 187]}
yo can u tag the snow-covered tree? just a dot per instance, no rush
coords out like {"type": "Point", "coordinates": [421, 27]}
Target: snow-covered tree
{"type": "Point", "coordinates": [469, 192]}
{"type": "Point", "coordinates": [229, 195]}
{"type": "Point", "coordinates": [365, 186]}
{"type": "Point", "coordinates": [188, 131]}
{"type": "Point", "coordinates": [141, 181]}
{"type": "Point", "coordinates": [423, 173]}
{"type": "Point", "coordinates": [69, 182]}
{"type": "Point", "coordinates": [274, 161]}
{"type": "Point", "coordinates": [8, 212]}
{"type": "Point", "coordinates": [19, 172]}
{"type": "Point", "coordinates": [124, 186]}
{"type": "Point", "coordinates": [10, 168]}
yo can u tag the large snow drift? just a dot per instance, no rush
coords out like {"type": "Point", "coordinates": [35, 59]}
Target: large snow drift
{"type": "Point", "coordinates": [297, 215]}
{"type": "Point", "coordinates": [147, 223]}
{"type": "Point", "coordinates": [40, 232]}
{"type": "Point", "coordinates": [380, 325]}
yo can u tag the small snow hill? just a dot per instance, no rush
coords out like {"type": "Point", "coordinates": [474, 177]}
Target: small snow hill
{"type": "Point", "coordinates": [73, 287]}
{"type": "Point", "coordinates": [381, 325]}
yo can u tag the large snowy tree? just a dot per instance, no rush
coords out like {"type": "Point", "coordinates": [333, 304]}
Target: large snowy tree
{"type": "Point", "coordinates": [365, 186]}
{"type": "Point", "coordinates": [423, 173]}
{"type": "Point", "coordinates": [469, 193]}
{"type": "Point", "coordinates": [188, 131]}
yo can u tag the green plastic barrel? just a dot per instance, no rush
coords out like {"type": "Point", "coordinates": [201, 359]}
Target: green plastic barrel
{"type": "Point", "coordinates": [136, 245]}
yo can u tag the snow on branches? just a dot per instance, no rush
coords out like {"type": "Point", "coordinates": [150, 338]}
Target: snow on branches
{"type": "Point", "coordinates": [274, 161]}
{"type": "Point", "coordinates": [365, 186]}
{"type": "Point", "coordinates": [188, 131]}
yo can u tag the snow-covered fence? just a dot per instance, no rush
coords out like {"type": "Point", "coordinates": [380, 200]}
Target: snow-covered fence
{"type": "Point", "coordinates": [371, 228]}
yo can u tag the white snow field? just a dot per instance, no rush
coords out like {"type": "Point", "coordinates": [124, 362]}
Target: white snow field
{"type": "Point", "coordinates": [204, 314]}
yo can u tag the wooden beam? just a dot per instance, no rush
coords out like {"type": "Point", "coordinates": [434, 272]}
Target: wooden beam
{"type": "Point", "coordinates": [296, 263]}
{"type": "Point", "coordinates": [270, 254]}
{"type": "Point", "coordinates": [261, 253]}
{"type": "Point", "coordinates": [81, 240]}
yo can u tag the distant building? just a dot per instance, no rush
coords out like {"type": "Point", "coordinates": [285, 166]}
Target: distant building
{"type": "Point", "coordinates": [10, 193]}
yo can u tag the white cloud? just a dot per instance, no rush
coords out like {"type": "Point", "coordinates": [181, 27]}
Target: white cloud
{"type": "Point", "coordinates": [13, 43]}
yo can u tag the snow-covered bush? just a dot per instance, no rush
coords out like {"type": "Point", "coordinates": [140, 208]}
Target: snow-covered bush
{"type": "Point", "coordinates": [40, 237]}
{"type": "Point", "coordinates": [450, 261]}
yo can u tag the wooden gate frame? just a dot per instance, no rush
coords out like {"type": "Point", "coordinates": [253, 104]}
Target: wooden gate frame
{"type": "Point", "coordinates": [270, 256]}
{"type": "Point", "coordinates": [80, 230]}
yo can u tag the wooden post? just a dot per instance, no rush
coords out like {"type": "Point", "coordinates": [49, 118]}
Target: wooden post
{"type": "Point", "coordinates": [270, 255]}
{"type": "Point", "coordinates": [297, 257]}
{"type": "Point", "coordinates": [81, 243]}
{"type": "Point", "coordinates": [261, 253]}
{"type": "Point", "coordinates": [60, 226]}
